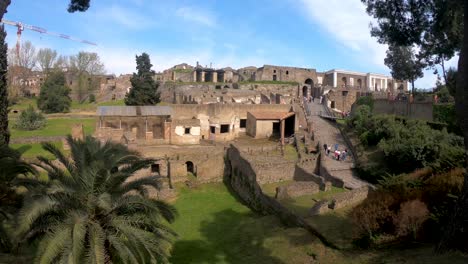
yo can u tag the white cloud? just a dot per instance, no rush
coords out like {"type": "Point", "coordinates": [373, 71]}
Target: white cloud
{"type": "Point", "coordinates": [348, 22]}
{"type": "Point", "coordinates": [198, 16]}
{"type": "Point", "coordinates": [126, 17]}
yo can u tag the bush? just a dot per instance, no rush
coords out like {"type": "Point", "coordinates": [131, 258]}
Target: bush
{"type": "Point", "coordinates": [366, 100]}
{"type": "Point", "coordinates": [375, 215]}
{"type": "Point", "coordinates": [92, 98]}
{"type": "Point", "coordinates": [29, 119]}
{"type": "Point", "coordinates": [414, 206]}
{"type": "Point", "coordinates": [411, 218]}
{"type": "Point", "coordinates": [54, 95]}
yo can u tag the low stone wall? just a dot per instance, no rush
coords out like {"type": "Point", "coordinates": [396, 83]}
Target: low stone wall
{"type": "Point", "coordinates": [325, 173]}
{"type": "Point", "coordinates": [36, 139]}
{"type": "Point", "coordinates": [349, 198]}
{"type": "Point", "coordinates": [341, 200]}
{"type": "Point", "coordinates": [296, 189]}
{"type": "Point", "coordinates": [241, 177]}
{"type": "Point", "coordinates": [303, 174]}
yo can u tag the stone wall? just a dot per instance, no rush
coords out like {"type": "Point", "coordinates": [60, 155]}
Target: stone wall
{"type": "Point", "coordinates": [208, 161]}
{"type": "Point", "coordinates": [282, 73]}
{"type": "Point", "coordinates": [342, 100]}
{"type": "Point", "coordinates": [295, 189]}
{"type": "Point", "coordinates": [202, 93]}
{"type": "Point", "coordinates": [415, 110]}
{"type": "Point", "coordinates": [242, 179]}
{"type": "Point", "coordinates": [341, 200]}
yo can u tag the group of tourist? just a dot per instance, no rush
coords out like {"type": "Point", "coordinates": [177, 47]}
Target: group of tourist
{"type": "Point", "coordinates": [336, 154]}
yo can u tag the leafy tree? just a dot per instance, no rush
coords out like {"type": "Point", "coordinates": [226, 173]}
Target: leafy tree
{"type": "Point", "coordinates": [92, 211]}
{"type": "Point", "coordinates": [451, 82]}
{"type": "Point", "coordinates": [403, 64]}
{"type": "Point", "coordinates": [11, 166]}
{"type": "Point", "coordinates": [29, 119]}
{"type": "Point", "coordinates": [54, 96]}
{"type": "Point", "coordinates": [46, 59]}
{"type": "Point", "coordinates": [61, 62]}
{"type": "Point", "coordinates": [144, 89]}
{"type": "Point", "coordinates": [405, 23]}
{"type": "Point", "coordinates": [78, 5]}
{"type": "Point", "coordinates": [86, 65]}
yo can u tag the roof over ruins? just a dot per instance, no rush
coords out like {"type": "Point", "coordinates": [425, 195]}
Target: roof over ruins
{"type": "Point", "coordinates": [271, 115]}
{"type": "Point", "coordinates": [147, 110]}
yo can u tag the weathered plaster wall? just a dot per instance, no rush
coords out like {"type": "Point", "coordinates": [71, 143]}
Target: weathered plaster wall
{"type": "Point", "coordinates": [415, 110]}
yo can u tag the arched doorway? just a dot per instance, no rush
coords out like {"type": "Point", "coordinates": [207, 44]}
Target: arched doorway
{"type": "Point", "coordinates": [304, 91]}
{"type": "Point", "coordinates": [190, 168]}
{"type": "Point", "coordinates": [309, 82]}
{"type": "Point", "coordinates": [359, 83]}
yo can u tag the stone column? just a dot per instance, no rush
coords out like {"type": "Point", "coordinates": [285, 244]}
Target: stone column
{"type": "Point", "coordinates": [386, 84]}
{"type": "Point", "coordinates": [215, 77]}
{"type": "Point", "coordinates": [194, 76]}
{"type": "Point", "coordinates": [203, 76]}
{"type": "Point", "coordinates": [282, 131]}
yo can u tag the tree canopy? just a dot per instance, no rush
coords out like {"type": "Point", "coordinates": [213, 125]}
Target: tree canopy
{"type": "Point", "coordinates": [144, 89]}
{"type": "Point", "coordinates": [78, 5]}
{"type": "Point", "coordinates": [437, 28]}
{"type": "Point", "coordinates": [403, 64]}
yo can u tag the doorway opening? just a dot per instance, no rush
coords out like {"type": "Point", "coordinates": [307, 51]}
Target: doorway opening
{"type": "Point", "coordinates": [190, 168]}
{"type": "Point", "coordinates": [276, 130]}
{"type": "Point", "coordinates": [155, 168]}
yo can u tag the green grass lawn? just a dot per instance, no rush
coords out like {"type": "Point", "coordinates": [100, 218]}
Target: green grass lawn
{"type": "Point", "coordinates": [215, 228]}
{"type": "Point", "coordinates": [57, 127]}
{"type": "Point", "coordinates": [290, 152]}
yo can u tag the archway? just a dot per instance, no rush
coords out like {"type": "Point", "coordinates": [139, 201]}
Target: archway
{"type": "Point", "coordinates": [190, 168]}
{"type": "Point", "coordinates": [304, 91]}
{"type": "Point", "coordinates": [359, 83]}
{"type": "Point", "coordinates": [344, 82]}
{"type": "Point", "coordinates": [309, 82]}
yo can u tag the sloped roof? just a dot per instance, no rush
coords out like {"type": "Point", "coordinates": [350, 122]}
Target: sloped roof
{"type": "Point", "coordinates": [147, 110]}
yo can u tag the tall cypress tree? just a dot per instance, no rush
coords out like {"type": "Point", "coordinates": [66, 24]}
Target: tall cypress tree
{"type": "Point", "coordinates": [144, 89]}
{"type": "Point", "coordinates": [4, 133]}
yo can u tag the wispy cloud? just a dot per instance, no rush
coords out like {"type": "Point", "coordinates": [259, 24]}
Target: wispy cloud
{"type": "Point", "coordinates": [196, 15]}
{"type": "Point", "coordinates": [348, 22]}
{"type": "Point", "coordinates": [126, 17]}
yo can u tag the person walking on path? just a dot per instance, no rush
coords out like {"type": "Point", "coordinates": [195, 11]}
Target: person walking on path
{"type": "Point", "coordinates": [344, 154]}
{"type": "Point", "coordinates": [325, 147]}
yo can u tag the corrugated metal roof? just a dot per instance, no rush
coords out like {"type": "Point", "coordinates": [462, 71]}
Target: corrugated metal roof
{"type": "Point", "coordinates": [147, 110]}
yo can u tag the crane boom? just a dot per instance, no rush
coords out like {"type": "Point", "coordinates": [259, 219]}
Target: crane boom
{"type": "Point", "coordinates": [21, 26]}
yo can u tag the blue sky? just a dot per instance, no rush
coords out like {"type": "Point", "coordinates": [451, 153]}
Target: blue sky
{"type": "Point", "coordinates": [321, 34]}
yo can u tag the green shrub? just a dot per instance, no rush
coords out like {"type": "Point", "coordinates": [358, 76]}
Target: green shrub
{"type": "Point", "coordinates": [54, 95]}
{"type": "Point", "coordinates": [366, 100]}
{"type": "Point", "coordinates": [92, 98]}
{"type": "Point", "coordinates": [30, 119]}
{"type": "Point", "coordinates": [445, 113]}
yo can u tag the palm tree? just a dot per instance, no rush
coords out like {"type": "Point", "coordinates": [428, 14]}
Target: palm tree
{"type": "Point", "coordinates": [11, 167]}
{"type": "Point", "coordinates": [90, 211]}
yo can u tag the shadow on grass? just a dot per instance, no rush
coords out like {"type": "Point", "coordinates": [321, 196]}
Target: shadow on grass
{"type": "Point", "coordinates": [230, 237]}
